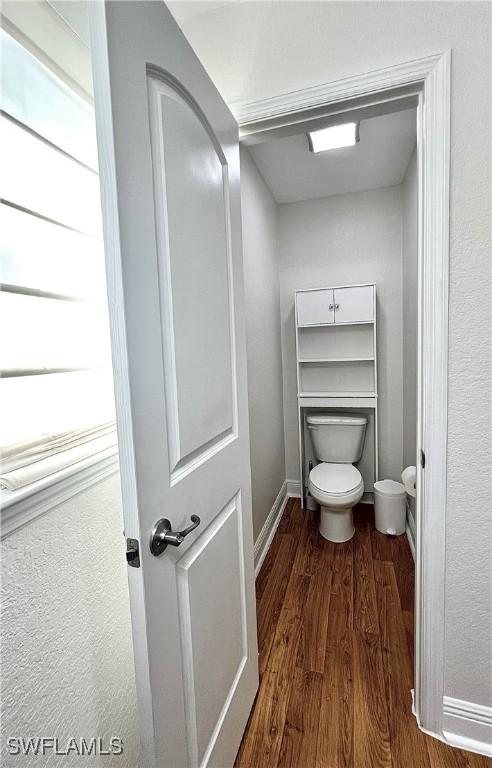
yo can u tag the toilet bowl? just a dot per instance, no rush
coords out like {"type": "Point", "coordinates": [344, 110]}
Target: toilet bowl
{"type": "Point", "coordinates": [336, 488]}
{"type": "Point", "coordinates": [338, 441]}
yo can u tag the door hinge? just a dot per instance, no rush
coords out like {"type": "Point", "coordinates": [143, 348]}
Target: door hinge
{"type": "Point", "coordinates": [133, 553]}
{"type": "Point", "coordinates": [422, 458]}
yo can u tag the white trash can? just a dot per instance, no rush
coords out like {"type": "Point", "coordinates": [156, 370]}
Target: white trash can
{"type": "Point", "coordinates": [390, 507]}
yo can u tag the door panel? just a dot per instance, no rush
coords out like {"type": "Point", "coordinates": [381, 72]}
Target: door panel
{"type": "Point", "coordinates": [354, 305]}
{"type": "Point", "coordinates": [193, 240]}
{"type": "Point", "coordinates": [169, 169]}
{"type": "Point", "coordinates": [315, 307]}
{"type": "Point", "coordinates": [209, 567]}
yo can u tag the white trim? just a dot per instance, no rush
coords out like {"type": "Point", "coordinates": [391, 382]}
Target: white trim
{"type": "Point", "coordinates": [467, 725]}
{"type": "Point", "coordinates": [467, 710]}
{"type": "Point", "coordinates": [22, 506]}
{"type": "Point", "coordinates": [38, 465]}
{"type": "Point", "coordinates": [117, 322]}
{"type": "Point", "coordinates": [335, 288]}
{"type": "Point", "coordinates": [265, 537]}
{"type": "Point", "coordinates": [468, 744]}
{"type": "Point", "coordinates": [293, 489]}
{"type": "Point", "coordinates": [289, 104]}
{"type": "Point", "coordinates": [431, 77]}
{"type": "Point", "coordinates": [410, 528]}
{"type": "Point", "coordinates": [411, 539]}
{"type": "Point", "coordinates": [432, 414]}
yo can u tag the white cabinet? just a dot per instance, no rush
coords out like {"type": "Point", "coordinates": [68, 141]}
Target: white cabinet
{"type": "Point", "coordinates": [315, 307]}
{"type": "Point", "coordinates": [354, 304]}
{"type": "Point", "coordinates": [336, 341]}
{"type": "Point", "coordinates": [326, 306]}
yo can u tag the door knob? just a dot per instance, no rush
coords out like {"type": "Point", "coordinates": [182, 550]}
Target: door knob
{"type": "Point", "coordinates": [163, 535]}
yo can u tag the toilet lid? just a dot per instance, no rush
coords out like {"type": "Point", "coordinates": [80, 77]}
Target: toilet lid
{"type": "Point", "coordinates": [335, 478]}
{"type": "Point", "coordinates": [389, 488]}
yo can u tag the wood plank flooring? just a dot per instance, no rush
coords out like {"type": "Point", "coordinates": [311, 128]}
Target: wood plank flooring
{"type": "Point", "coordinates": [335, 638]}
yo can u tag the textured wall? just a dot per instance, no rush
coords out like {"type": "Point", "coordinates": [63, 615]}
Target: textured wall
{"type": "Point", "coordinates": [340, 240]}
{"type": "Point", "coordinates": [261, 283]}
{"type": "Point", "coordinates": [256, 50]}
{"type": "Point", "coordinates": [409, 200]}
{"type": "Point", "coordinates": [67, 655]}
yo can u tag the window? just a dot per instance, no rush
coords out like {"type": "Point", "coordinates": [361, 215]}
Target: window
{"type": "Point", "coordinates": [56, 388]}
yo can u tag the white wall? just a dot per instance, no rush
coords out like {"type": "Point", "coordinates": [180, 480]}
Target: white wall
{"type": "Point", "coordinates": [257, 50]}
{"type": "Point", "coordinates": [67, 654]}
{"type": "Point", "coordinates": [409, 308]}
{"type": "Point", "coordinates": [261, 282]}
{"type": "Point", "coordinates": [340, 240]}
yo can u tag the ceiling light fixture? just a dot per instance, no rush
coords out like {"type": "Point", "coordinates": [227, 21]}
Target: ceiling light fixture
{"type": "Point", "coordinates": [334, 137]}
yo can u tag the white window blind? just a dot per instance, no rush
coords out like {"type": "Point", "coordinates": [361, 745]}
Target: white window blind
{"type": "Point", "coordinates": [56, 389]}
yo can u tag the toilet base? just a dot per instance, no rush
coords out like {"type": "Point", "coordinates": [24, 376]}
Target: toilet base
{"type": "Point", "coordinates": [336, 525]}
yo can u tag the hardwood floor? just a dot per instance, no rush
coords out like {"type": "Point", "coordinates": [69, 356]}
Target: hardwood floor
{"type": "Point", "coordinates": [335, 638]}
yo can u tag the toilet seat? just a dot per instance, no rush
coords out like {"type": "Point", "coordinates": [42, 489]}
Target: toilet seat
{"type": "Point", "coordinates": [335, 478]}
{"type": "Point", "coordinates": [336, 484]}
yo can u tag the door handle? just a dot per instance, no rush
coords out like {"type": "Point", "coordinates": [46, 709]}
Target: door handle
{"type": "Point", "coordinates": [163, 535]}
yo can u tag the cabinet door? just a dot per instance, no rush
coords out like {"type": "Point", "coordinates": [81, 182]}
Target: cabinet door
{"type": "Point", "coordinates": [315, 307]}
{"type": "Point", "coordinates": [354, 305]}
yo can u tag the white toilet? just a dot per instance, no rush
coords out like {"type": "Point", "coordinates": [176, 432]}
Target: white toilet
{"type": "Point", "coordinates": [338, 440]}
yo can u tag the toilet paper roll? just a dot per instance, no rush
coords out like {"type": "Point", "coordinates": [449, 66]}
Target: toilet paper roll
{"type": "Point", "coordinates": [409, 479]}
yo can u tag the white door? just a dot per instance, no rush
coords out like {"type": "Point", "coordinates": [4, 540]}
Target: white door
{"type": "Point", "coordinates": [354, 305]}
{"type": "Point", "coordinates": [315, 307]}
{"type": "Point", "coordinates": [169, 164]}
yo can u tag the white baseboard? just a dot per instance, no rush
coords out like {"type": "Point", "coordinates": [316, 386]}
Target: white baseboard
{"type": "Point", "coordinates": [410, 527]}
{"type": "Point", "coordinates": [411, 539]}
{"type": "Point", "coordinates": [293, 489]}
{"type": "Point", "coordinates": [265, 538]}
{"type": "Point", "coordinates": [467, 725]}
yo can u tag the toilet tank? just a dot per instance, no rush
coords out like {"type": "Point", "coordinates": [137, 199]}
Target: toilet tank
{"type": "Point", "coordinates": [337, 438]}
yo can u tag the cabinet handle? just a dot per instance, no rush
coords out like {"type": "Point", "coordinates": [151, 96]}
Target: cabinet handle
{"type": "Point", "coordinates": [330, 306]}
{"type": "Point", "coordinates": [337, 306]}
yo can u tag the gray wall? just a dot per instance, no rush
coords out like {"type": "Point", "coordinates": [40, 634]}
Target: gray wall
{"type": "Point", "coordinates": [67, 653]}
{"type": "Point", "coordinates": [340, 240]}
{"type": "Point", "coordinates": [261, 282]}
{"type": "Point", "coordinates": [409, 308]}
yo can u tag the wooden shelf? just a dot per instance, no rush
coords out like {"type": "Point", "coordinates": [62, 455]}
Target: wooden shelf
{"type": "Point", "coordinates": [336, 359]}
{"type": "Point", "coordinates": [337, 394]}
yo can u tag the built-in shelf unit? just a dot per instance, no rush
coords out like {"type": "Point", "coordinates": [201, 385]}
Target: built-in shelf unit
{"type": "Point", "coordinates": [337, 361]}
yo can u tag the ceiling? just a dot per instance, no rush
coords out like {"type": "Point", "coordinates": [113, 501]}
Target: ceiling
{"type": "Point", "coordinates": [243, 48]}
{"type": "Point", "coordinates": [187, 10]}
{"type": "Point", "coordinates": [380, 159]}
{"type": "Point", "coordinates": [75, 14]}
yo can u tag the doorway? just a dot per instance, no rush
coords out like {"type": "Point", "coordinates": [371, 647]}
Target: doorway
{"type": "Point", "coordinates": [378, 93]}
{"type": "Point", "coordinates": [335, 620]}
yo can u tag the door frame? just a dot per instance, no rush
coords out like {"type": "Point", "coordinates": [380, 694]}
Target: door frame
{"type": "Point", "coordinates": [429, 81]}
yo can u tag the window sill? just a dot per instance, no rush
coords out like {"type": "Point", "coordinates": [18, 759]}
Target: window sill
{"type": "Point", "coordinates": [21, 506]}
